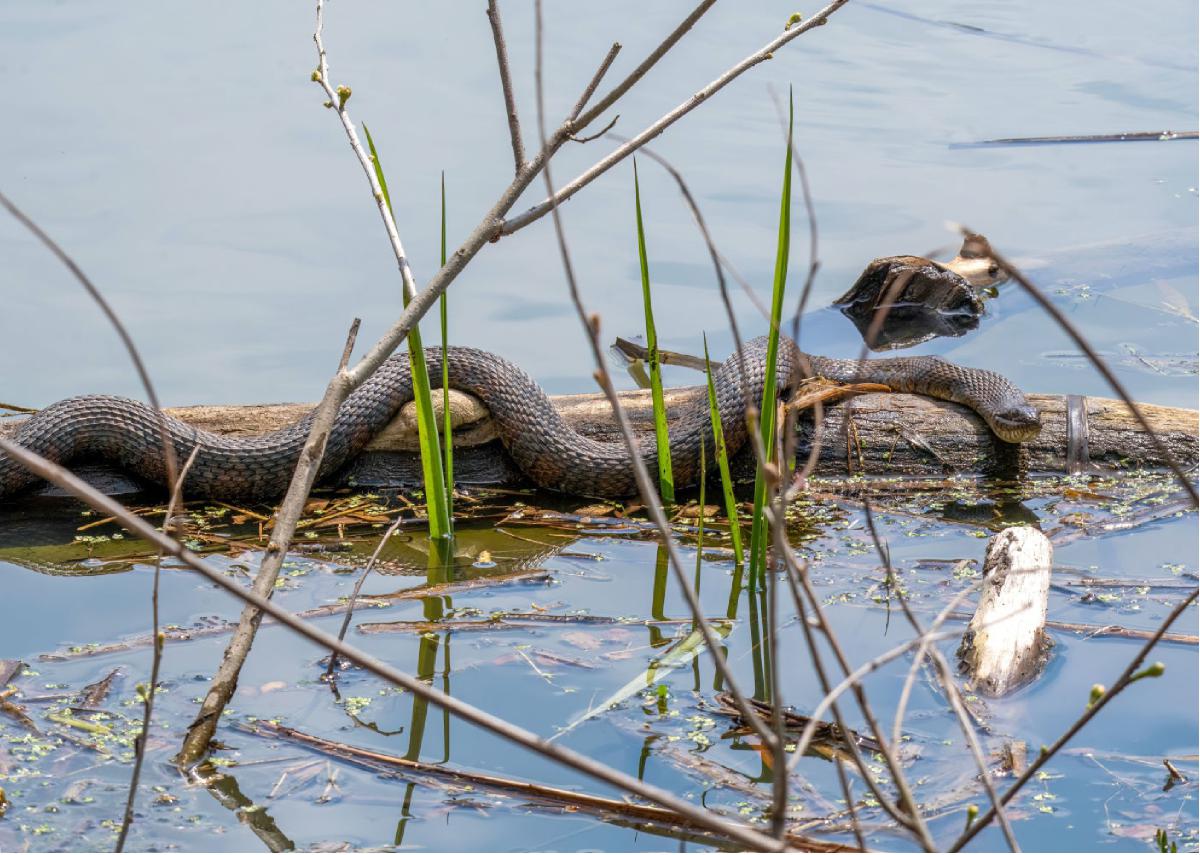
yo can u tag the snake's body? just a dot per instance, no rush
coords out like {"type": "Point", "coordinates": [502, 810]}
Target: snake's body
{"type": "Point", "coordinates": [546, 448]}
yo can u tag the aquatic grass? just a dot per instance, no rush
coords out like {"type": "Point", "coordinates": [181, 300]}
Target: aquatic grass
{"type": "Point", "coordinates": [758, 531]}
{"type": "Point", "coordinates": [721, 453]}
{"type": "Point", "coordinates": [666, 481]}
{"type": "Point", "coordinates": [447, 423]}
{"type": "Point", "coordinates": [437, 505]}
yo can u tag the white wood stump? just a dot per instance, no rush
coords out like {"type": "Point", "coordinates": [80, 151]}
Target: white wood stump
{"type": "Point", "coordinates": [1006, 645]}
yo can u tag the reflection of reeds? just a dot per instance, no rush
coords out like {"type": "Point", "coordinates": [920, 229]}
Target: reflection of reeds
{"type": "Point", "coordinates": [666, 481]}
{"type": "Point", "coordinates": [758, 531]}
{"type": "Point", "coordinates": [436, 499]}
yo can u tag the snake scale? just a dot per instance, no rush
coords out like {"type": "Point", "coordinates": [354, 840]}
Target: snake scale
{"type": "Point", "coordinates": [545, 447]}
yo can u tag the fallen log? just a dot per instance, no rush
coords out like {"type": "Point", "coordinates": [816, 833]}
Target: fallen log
{"type": "Point", "coordinates": [875, 434]}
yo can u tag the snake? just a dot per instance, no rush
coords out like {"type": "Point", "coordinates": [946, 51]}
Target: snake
{"type": "Point", "coordinates": [547, 449]}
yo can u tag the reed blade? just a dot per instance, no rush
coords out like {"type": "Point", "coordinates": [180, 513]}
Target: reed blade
{"type": "Point", "coordinates": [666, 481]}
{"type": "Point", "coordinates": [437, 506]}
{"type": "Point", "coordinates": [758, 531]}
{"type": "Point", "coordinates": [447, 424]}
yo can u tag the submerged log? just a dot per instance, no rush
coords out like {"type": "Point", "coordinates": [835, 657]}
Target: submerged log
{"type": "Point", "coordinates": [1006, 645]}
{"type": "Point", "coordinates": [876, 434]}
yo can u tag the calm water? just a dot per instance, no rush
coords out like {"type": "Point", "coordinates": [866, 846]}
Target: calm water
{"type": "Point", "coordinates": [183, 157]}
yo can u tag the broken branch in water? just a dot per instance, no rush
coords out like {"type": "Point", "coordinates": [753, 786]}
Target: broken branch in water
{"type": "Point", "coordinates": [538, 793]}
{"type": "Point", "coordinates": [1129, 136]}
{"type": "Point", "coordinates": [376, 601]}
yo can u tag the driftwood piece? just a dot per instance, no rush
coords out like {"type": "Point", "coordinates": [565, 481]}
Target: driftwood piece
{"type": "Point", "coordinates": [873, 434]}
{"type": "Point", "coordinates": [1005, 645]}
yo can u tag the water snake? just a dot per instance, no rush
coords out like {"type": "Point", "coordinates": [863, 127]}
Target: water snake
{"type": "Point", "coordinates": [545, 447]}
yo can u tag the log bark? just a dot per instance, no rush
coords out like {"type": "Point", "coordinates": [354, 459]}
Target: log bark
{"type": "Point", "coordinates": [1005, 645]}
{"type": "Point", "coordinates": [877, 434]}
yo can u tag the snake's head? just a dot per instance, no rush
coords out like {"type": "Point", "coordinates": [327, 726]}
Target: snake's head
{"type": "Point", "coordinates": [1018, 423]}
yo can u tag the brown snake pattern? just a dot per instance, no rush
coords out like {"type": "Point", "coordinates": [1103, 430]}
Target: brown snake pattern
{"type": "Point", "coordinates": [547, 449]}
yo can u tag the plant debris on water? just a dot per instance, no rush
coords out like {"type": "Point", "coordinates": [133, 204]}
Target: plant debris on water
{"type": "Point", "coordinates": [526, 606]}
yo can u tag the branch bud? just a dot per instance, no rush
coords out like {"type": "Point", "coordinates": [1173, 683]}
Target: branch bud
{"type": "Point", "coordinates": [795, 19]}
{"type": "Point", "coordinates": [343, 93]}
{"type": "Point", "coordinates": [1098, 691]}
{"type": "Point", "coordinates": [1155, 670]}
{"type": "Point", "coordinates": [316, 76]}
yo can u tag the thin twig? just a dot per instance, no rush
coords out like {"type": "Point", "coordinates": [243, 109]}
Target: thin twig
{"type": "Point", "coordinates": [510, 103]}
{"type": "Point", "coordinates": [341, 636]}
{"type": "Point", "coordinates": [169, 461]}
{"type": "Point", "coordinates": [855, 826]}
{"type": "Point", "coordinates": [593, 83]}
{"type": "Point", "coordinates": [646, 64]}
{"type": "Point", "coordinates": [139, 755]}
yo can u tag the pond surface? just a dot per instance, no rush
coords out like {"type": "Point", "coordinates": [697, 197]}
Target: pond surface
{"type": "Point", "coordinates": [184, 159]}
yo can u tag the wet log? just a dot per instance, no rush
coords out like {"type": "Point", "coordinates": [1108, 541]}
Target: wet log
{"type": "Point", "coordinates": [877, 434]}
{"type": "Point", "coordinates": [1005, 645]}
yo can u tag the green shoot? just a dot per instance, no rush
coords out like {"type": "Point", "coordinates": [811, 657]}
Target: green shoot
{"type": "Point", "coordinates": [758, 532]}
{"type": "Point", "coordinates": [437, 506]}
{"type": "Point", "coordinates": [666, 482]}
{"type": "Point", "coordinates": [722, 455]}
{"type": "Point", "coordinates": [700, 525]}
{"type": "Point", "coordinates": [447, 423]}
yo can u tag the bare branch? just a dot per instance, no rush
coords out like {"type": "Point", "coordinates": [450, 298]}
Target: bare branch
{"type": "Point", "coordinates": [570, 189]}
{"type": "Point", "coordinates": [224, 682]}
{"type": "Point", "coordinates": [337, 101]}
{"type": "Point", "coordinates": [510, 103]}
{"type": "Point", "coordinates": [594, 82]}
{"type": "Point", "coordinates": [649, 62]}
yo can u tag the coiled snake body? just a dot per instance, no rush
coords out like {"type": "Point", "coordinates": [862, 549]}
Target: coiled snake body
{"type": "Point", "coordinates": [547, 449]}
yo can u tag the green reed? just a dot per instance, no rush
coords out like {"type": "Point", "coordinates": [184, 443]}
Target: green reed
{"type": "Point", "coordinates": [722, 457]}
{"type": "Point", "coordinates": [447, 423]}
{"type": "Point", "coordinates": [666, 481]}
{"type": "Point", "coordinates": [437, 505]}
{"type": "Point", "coordinates": [758, 531]}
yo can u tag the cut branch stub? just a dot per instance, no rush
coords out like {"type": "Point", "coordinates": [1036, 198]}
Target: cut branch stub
{"type": "Point", "coordinates": [1006, 644]}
